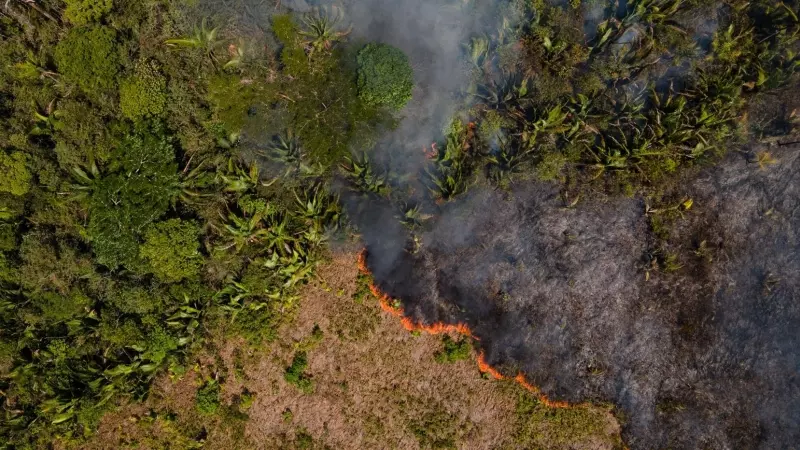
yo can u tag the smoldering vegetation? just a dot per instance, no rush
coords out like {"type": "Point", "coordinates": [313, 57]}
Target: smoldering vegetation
{"type": "Point", "coordinates": [698, 351]}
{"type": "Point", "coordinates": [700, 355]}
{"type": "Point", "coordinates": [703, 357]}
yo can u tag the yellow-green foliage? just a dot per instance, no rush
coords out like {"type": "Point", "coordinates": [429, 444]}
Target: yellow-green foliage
{"type": "Point", "coordinates": [81, 12]}
{"type": "Point", "coordinates": [231, 99]}
{"type": "Point", "coordinates": [550, 166]}
{"type": "Point", "coordinates": [88, 57]}
{"type": "Point", "coordinates": [293, 56]}
{"type": "Point", "coordinates": [143, 95]}
{"type": "Point", "coordinates": [539, 426]}
{"type": "Point", "coordinates": [136, 300]}
{"type": "Point", "coordinates": [15, 176]}
{"type": "Point", "coordinates": [8, 239]}
{"type": "Point", "coordinates": [171, 248]}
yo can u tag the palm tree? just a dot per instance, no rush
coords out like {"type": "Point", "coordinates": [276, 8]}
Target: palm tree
{"type": "Point", "coordinates": [320, 29]}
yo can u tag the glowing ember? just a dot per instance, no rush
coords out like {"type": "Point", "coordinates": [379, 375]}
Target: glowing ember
{"type": "Point", "coordinates": [484, 367]}
{"type": "Point", "coordinates": [388, 305]}
{"type": "Point", "coordinates": [432, 153]}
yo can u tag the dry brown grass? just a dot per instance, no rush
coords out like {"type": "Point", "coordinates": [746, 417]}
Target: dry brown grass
{"type": "Point", "coordinates": [378, 387]}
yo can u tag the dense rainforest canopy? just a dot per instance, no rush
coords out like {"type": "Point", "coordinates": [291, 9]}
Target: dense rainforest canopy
{"type": "Point", "coordinates": [165, 174]}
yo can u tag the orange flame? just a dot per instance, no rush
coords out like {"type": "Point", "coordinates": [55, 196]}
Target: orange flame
{"type": "Point", "coordinates": [388, 305]}
{"type": "Point", "coordinates": [433, 153]}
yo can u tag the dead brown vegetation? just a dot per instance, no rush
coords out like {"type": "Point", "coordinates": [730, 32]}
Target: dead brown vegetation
{"type": "Point", "coordinates": [378, 388]}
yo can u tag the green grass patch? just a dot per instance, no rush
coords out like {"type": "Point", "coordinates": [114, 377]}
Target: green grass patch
{"type": "Point", "coordinates": [207, 398]}
{"type": "Point", "coordinates": [454, 350]}
{"type": "Point", "coordinates": [295, 374]}
{"type": "Point", "coordinates": [538, 426]}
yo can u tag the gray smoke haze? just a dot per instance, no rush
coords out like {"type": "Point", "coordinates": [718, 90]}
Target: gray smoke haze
{"type": "Point", "coordinates": [433, 33]}
{"type": "Point", "coordinates": [704, 358]}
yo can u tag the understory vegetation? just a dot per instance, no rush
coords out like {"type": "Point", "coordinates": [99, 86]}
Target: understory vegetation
{"type": "Point", "coordinates": [619, 104]}
{"type": "Point", "coordinates": [165, 177]}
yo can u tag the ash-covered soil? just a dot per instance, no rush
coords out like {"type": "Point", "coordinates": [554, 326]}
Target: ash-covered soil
{"type": "Point", "coordinates": [707, 356]}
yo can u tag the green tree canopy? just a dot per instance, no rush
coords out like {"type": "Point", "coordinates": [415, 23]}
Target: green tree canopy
{"type": "Point", "coordinates": [82, 12]}
{"type": "Point", "coordinates": [138, 193]}
{"type": "Point", "coordinates": [385, 77]}
{"type": "Point", "coordinates": [88, 57]}
{"type": "Point", "coordinates": [143, 94]}
{"type": "Point", "coordinates": [15, 177]}
{"type": "Point", "coordinates": [172, 249]}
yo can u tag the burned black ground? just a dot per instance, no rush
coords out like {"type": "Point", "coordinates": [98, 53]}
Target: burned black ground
{"type": "Point", "coordinates": [705, 356]}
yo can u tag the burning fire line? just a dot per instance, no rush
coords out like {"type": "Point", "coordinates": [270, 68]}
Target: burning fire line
{"type": "Point", "coordinates": [438, 328]}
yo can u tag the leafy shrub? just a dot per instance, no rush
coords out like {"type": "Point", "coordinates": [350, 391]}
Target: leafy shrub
{"type": "Point", "coordinates": [319, 100]}
{"type": "Point", "coordinates": [8, 273]}
{"type": "Point", "coordinates": [171, 248]}
{"type": "Point", "coordinates": [82, 12]}
{"type": "Point", "coordinates": [453, 350]}
{"type": "Point", "coordinates": [159, 343]}
{"type": "Point", "coordinates": [126, 202]}
{"type": "Point", "coordinates": [84, 135]}
{"type": "Point", "coordinates": [88, 57]}
{"type": "Point", "coordinates": [135, 300]}
{"type": "Point", "coordinates": [8, 237]}
{"type": "Point", "coordinates": [295, 373]}
{"type": "Point", "coordinates": [48, 265]}
{"type": "Point", "coordinates": [231, 99]}
{"type": "Point", "coordinates": [385, 77]}
{"type": "Point", "coordinates": [56, 307]}
{"type": "Point", "coordinates": [15, 179]}
{"type": "Point", "coordinates": [120, 333]}
{"type": "Point", "coordinates": [143, 95]}
{"type": "Point", "coordinates": [207, 399]}
{"type": "Point", "coordinates": [293, 56]}
{"type": "Point", "coordinates": [284, 29]}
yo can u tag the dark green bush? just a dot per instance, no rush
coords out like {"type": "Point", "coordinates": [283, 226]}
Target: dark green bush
{"type": "Point", "coordinates": [385, 77]}
{"type": "Point", "coordinates": [454, 350]}
{"type": "Point", "coordinates": [125, 202]}
{"type": "Point", "coordinates": [295, 373]}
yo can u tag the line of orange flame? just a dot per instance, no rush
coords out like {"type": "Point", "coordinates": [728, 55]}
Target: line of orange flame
{"type": "Point", "coordinates": [439, 328]}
